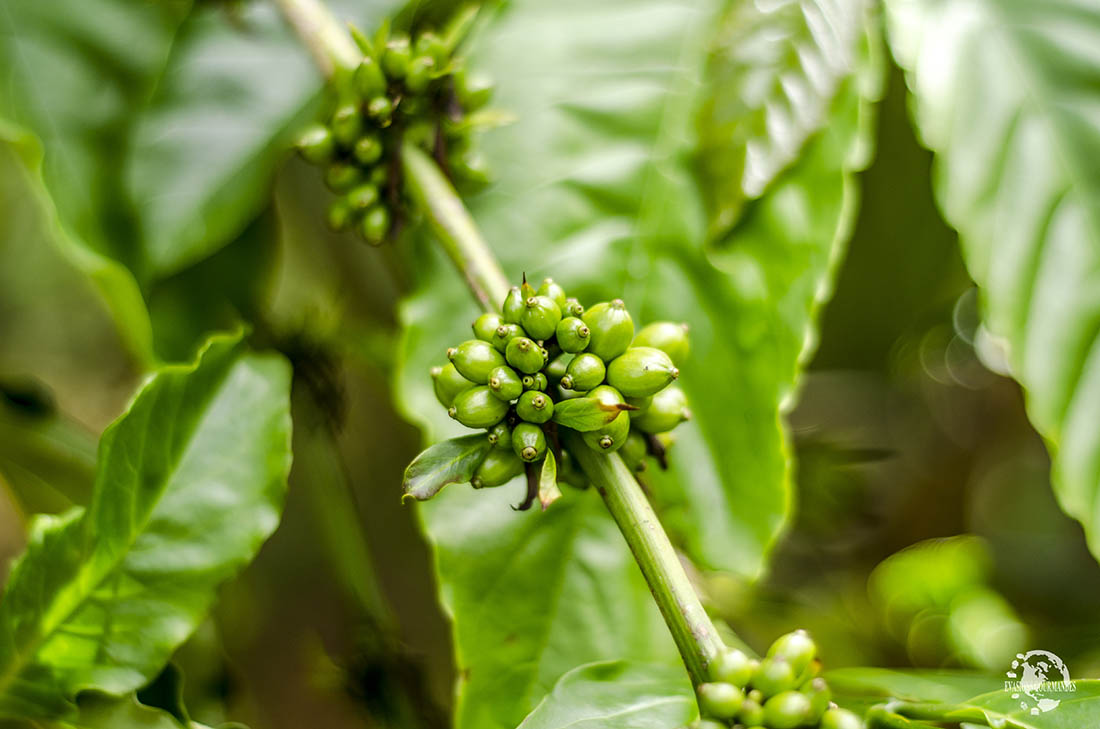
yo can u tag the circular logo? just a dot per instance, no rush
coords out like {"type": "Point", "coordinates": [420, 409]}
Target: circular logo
{"type": "Point", "coordinates": [1036, 677]}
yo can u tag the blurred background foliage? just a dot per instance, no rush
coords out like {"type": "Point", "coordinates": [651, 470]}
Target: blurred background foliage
{"type": "Point", "coordinates": [926, 533]}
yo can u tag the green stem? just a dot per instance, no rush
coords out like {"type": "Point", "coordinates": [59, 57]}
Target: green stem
{"type": "Point", "coordinates": [327, 40]}
{"type": "Point", "coordinates": [691, 627]}
{"type": "Point", "coordinates": [455, 229]}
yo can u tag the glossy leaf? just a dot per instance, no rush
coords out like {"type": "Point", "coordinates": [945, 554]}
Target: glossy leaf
{"type": "Point", "coordinates": [189, 484]}
{"type": "Point", "coordinates": [617, 695]}
{"type": "Point", "coordinates": [548, 481]}
{"type": "Point", "coordinates": [451, 461]}
{"type": "Point", "coordinates": [1007, 94]}
{"type": "Point", "coordinates": [533, 594]}
{"type": "Point", "coordinates": [775, 71]}
{"type": "Point", "coordinates": [949, 687]}
{"type": "Point", "coordinates": [584, 413]}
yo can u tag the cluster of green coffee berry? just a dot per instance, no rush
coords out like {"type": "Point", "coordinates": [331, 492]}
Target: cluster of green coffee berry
{"type": "Point", "coordinates": [403, 90]}
{"type": "Point", "coordinates": [781, 691]}
{"type": "Point", "coordinates": [544, 349]}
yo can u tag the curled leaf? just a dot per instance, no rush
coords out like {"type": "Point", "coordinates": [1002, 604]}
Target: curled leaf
{"type": "Point", "coordinates": [451, 461]}
{"type": "Point", "coordinates": [586, 413]}
{"type": "Point", "coordinates": [548, 481]}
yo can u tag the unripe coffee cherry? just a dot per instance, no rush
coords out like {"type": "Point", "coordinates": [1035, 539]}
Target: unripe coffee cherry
{"type": "Point", "coordinates": [524, 355]}
{"type": "Point", "coordinates": [610, 437]}
{"type": "Point", "coordinates": [611, 329]}
{"type": "Point", "coordinates": [475, 359]}
{"type": "Point", "coordinates": [797, 648]}
{"type": "Point", "coordinates": [540, 317]}
{"type": "Point", "coordinates": [347, 125]}
{"type": "Point", "coordinates": [431, 45]}
{"type": "Point", "coordinates": [514, 305]}
{"type": "Point", "coordinates": [840, 719]}
{"type": "Point", "coordinates": [379, 176]}
{"type": "Point", "coordinates": [316, 145]}
{"type": "Point", "coordinates": [501, 435]}
{"type": "Point", "coordinates": [341, 176]}
{"type": "Point", "coordinates": [369, 79]}
{"type": "Point", "coordinates": [633, 454]}
{"type": "Point", "coordinates": [751, 713]}
{"type": "Point", "coordinates": [529, 442]}
{"type": "Point", "coordinates": [817, 691]}
{"type": "Point", "coordinates": [732, 666]}
{"type": "Point", "coordinates": [536, 381]}
{"type": "Point", "coordinates": [500, 466]}
{"type": "Point", "coordinates": [448, 383]}
{"type": "Point", "coordinates": [667, 410]}
{"type": "Point", "coordinates": [505, 383]}
{"type": "Point", "coordinates": [535, 407]}
{"type": "Point", "coordinates": [572, 308]}
{"type": "Point", "coordinates": [787, 710]}
{"type": "Point", "coordinates": [368, 149]}
{"type": "Point", "coordinates": [485, 326]}
{"type": "Point", "coordinates": [396, 57]}
{"type": "Point", "coordinates": [474, 90]}
{"type": "Point", "coordinates": [585, 372]}
{"type": "Point", "coordinates": [505, 333]}
{"type": "Point", "coordinates": [641, 372]}
{"type": "Point", "coordinates": [774, 677]}
{"type": "Point", "coordinates": [557, 367]}
{"type": "Point", "coordinates": [478, 407]}
{"type": "Point", "coordinates": [553, 291]}
{"type": "Point", "coordinates": [362, 197]}
{"type": "Point", "coordinates": [420, 74]}
{"type": "Point", "coordinates": [669, 337]}
{"type": "Point", "coordinates": [375, 225]}
{"type": "Point", "coordinates": [340, 214]}
{"type": "Point", "coordinates": [380, 108]}
{"type": "Point", "coordinates": [572, 334]}
{"type": "Point", "coordinates": [720, 700]}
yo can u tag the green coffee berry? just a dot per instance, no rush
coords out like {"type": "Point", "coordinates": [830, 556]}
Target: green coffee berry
{"type": "Point", "coordinates": [720, 700]}
{"type": "Point", "coordinates": [641, 371]}
{"type": "Point", "coordinates": [524, 355]}
{"type": "Point", "coordinates": [774, 677]}
{"type": "Point", "coordinates": [535, 407]}
{"type": "Point", "coordinates": [669, 337]}
{"type": "Point", "coordinates": [474, 90]}
{"type": "Point", "coordinates": [585, 372]}
{"type": "Point", "coordinates": [756, 694]}
{"type": "Point", "coordinates": [611, 329]}
{"type": "Point", "coordinates": [787, 710]}
{"type": "Point", "coordinates": [557, 367]}
{"type": "Point", "coordinates": [540, 317]}
{"type": "Point", "coordinates": [472, 167]}
{"type": "Point", "coordinates": [347, 125]}
{"type": "Point", "coordinates": [379, 176]}
{"type": "Point", "coordinates": [478, 407]}
{"type": "Point", "coordinates": [362, 197]}
{"type": "Point", "coordinates": [420, 74]}
{"type": "Point", "coordinates": [431, 45]}
{"type": "Point", "coordinates": [341, 176]}
{"type": "Point", "coordinates": [316, 145]}
{"type": "Point", "coordinates": [505, 333]}
{"type": "Point", "coordinates": [529, 442]}
{"type": "Point", "coordinates": [751, 712]}
{"type": "Point", "coordinates": [732, 666]}
{"type": "Point", "coordinates": [634, 452]}
{"type": "Point", "coordinates": [514, 305]}
{"type": "Point", "coordinates": [368, 149]}
{"type": "Point", "coordinates": [840, 719]}
{"type": "Point", "coordinates": [572, 308]}
{"type": "Point", "coordinates": [475, 359]}
{"type": "Point", "coordinates": [817, 690]}
{"type": "Point", "coordinates": [642, 403]}
{"type": "Point", "coordinates": [500, 466]}
{"type": "Point", "coordinates": [572, 334]}
{"type": "Point", "coordinates": [380, 108]}
{"type": "Point", "coordinates": [536, 381]}
{"type": "Point", "coordinates": [421, 134]}
{"type": "Point", "coordinates": [369, 79]}
{"type": "Point", "coordinates": [485, 326]}
{"type": "Point", "coordinates": [553, 291]}
{"type": "Point", "coordinates": [448, 383]}
{"type": "Point", "coordinates": [667, 410]}
{"type": "Point", "coordinates": [797, 648]}
{"type": "Point", "coordinates": [505, 383]}
{"type": "Point", "coordinates": [501, 435]}
{"type": "Point", "coordinates": [376, 225]}
{"type": "Point", "coordinates": [340, 214]}
{"type": "Point", "coordinates": [396, 57]}
{"type": "Point", "coordinates": [610, 437]}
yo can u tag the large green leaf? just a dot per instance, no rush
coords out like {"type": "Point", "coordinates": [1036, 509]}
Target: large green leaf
{"type": "Point", "coordinates": [1008, 97]}
{"type": "Point", "coordinates": [76, 74]}
{"type": "Point", "coordinates": [774, 73]}
{"type": "Point", "coordinates": [189, 484]}
{"type": "Point", "coordinates": [235, 88]}
{"type": "Point", "coordinates": [617, 695]}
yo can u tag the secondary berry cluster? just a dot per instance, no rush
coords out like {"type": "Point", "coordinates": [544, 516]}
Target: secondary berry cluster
{"type": "Point", "coordinates": [404, 89]}
{"type": "Point", "coordinates": [545, 362]}
{"type": "Point", "coordinates": [781, 691]}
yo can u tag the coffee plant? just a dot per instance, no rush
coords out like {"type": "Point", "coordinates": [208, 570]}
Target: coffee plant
{"type": "Point", "coordinates": [680, 274]}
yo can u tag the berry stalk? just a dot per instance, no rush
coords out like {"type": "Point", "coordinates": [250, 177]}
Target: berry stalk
{"type": "Point", "coordinates": [691, 628]}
